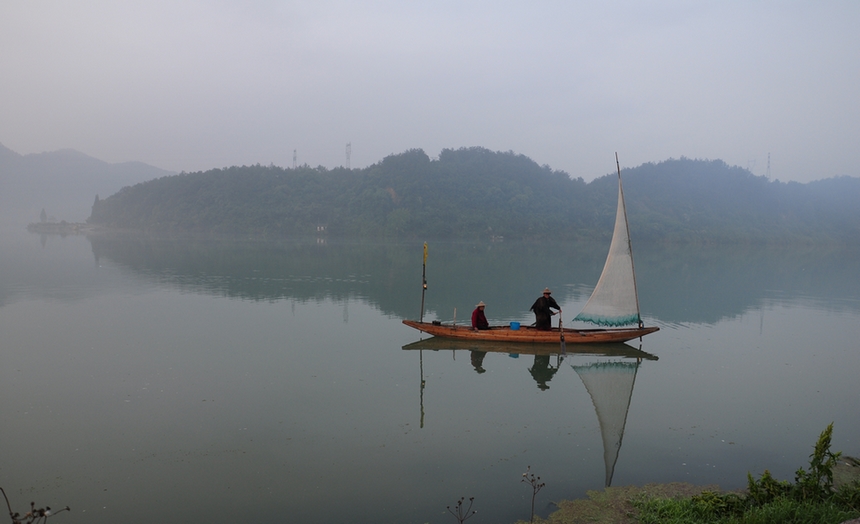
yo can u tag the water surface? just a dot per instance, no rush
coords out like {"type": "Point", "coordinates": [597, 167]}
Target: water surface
{"type": "Point", "coordinates": [187, 380]}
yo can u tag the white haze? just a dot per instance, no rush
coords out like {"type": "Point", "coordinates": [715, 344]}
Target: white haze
{"type": "Point", "coordinates": [192, 85]}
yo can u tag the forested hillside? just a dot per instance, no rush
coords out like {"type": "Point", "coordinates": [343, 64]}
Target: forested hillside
{"type": "Point", "coordinates": [62, 183]}
{"type": "Point", "coordinates": [477, 193]}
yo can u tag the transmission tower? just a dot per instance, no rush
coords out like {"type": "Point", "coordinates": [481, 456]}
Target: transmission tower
{"type": "Point", "coordinates": [294, 158]}
{"type": "Point", "coordinates": [768, 166]}
{"type": "Point", "coordinates": [348, 153]}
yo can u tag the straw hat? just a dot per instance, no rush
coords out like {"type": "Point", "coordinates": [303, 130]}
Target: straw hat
{"type": "Point", "coordinates": [546, 290]}
{"type": "Point", "coordinates": [480, 304]}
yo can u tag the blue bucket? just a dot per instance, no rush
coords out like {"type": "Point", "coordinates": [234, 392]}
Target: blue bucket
{"type": "Point", "coordinates": [515, 326]}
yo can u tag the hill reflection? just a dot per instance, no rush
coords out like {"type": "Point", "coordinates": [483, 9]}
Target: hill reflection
{"type": "Point", "coordinates": [677, 284]}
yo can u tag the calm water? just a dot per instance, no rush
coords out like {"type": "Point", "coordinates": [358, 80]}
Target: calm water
{"type": "Point", "coordinates": [189, 381]}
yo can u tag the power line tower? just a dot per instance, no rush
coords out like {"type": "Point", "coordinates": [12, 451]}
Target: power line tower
{"type": "Point", "coordinates": [294, 158]}
{"type": "Point", "coordinates": [348, 153]}
{"type": "Point", "coordinates": [768, 166]}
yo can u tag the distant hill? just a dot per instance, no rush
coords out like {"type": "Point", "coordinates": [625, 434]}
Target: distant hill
{"type": "Point", "coordinates": [477, 193]}
{"type": "Point", "coordinates": [707, 200]}
{"type": "Point", "coordinates": [64, 183]}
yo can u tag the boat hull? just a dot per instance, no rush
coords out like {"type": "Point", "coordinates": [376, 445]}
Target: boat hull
{"type": "Point", "coordinates": [528, 334]}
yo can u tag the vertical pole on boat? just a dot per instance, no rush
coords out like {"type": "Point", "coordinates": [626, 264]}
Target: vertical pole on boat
{"type": "Point", "coordinates": [421, 319]}
{"type": "Point", "coordinates": [561, 330]}
{"type": "Point", "coordinates": [423, 283]}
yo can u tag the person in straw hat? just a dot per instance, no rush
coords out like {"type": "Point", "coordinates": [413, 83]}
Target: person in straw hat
{"type": "Point", "coordinates": [542, 310]}
{"type": "Point", "coordinates": [479, 320]}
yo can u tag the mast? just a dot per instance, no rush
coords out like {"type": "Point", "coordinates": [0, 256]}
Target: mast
{"type": "Point", "coordinates": [423, 283]}
{"type": "Point", "coordinates": [629, 241]}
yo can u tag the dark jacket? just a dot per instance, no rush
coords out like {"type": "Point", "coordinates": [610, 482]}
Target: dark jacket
{"type": "Point", "coordinates": [543, 313]}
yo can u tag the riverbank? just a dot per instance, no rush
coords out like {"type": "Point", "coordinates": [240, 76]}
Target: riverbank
{"type": "Point", "coordinates": [616, 504]}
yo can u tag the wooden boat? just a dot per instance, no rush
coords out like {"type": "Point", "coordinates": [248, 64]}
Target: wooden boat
{"type": "Point", "coordinates": [613, 303]}
{"type": "Point", "coordinates": [529, 334]}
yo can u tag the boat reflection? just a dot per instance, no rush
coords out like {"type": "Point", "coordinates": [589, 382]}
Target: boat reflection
{"type": "Point", "coordinates": [516, 349]}
{"type": "Point", "coordinates": [609, 380]}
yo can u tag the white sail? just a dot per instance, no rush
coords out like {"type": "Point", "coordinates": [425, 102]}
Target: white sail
{"type": "Point", "coordinates": [614, 301]}
{"type": "Point", "coordinates": [610, 385]}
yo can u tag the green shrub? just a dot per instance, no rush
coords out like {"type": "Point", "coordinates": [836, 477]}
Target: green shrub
{"type": "Point", "coordinates": [812, 498]}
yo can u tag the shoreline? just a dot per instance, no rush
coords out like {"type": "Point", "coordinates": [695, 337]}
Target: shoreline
{"type": "Point", "coordinates": [615, 504]}
{"type": "Point", "coordinates": [61, 228]}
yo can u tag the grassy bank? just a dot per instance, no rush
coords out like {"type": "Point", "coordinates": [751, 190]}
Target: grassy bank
{"type": "Point", "coordinates": [828, 491]}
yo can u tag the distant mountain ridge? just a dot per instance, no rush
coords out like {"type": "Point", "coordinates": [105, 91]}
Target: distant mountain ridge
{"type": "Point", "coordinates": [63, 182]}
{"type": "Point", "coordinates": [709, 200]}
{"type": "Point", "coordinates": [473, 193]}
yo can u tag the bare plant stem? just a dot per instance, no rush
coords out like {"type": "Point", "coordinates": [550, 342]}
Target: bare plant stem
{"type": "Point", "coordinates": [34, 516]}
{"type": "Point", "coordinates": [536, 484]}
{"type": "Point", "coordinates": [461, 515]}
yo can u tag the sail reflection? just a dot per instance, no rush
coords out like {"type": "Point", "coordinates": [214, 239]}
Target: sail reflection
{"type": "Point", "coordinates": [609, 380]}
{"type": "Point", "coordinates": [610, 385]}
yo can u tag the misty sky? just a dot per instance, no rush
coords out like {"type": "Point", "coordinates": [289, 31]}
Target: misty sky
{"type": "Point", "coordinates": [193, 85]}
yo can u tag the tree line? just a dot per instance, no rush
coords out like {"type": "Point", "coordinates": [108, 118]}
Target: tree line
{"type": "Point", "coordinates": [473, 193]}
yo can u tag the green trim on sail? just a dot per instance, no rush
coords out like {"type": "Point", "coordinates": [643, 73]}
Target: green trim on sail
{"type": "Point", "coordinates": [609, 321]}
